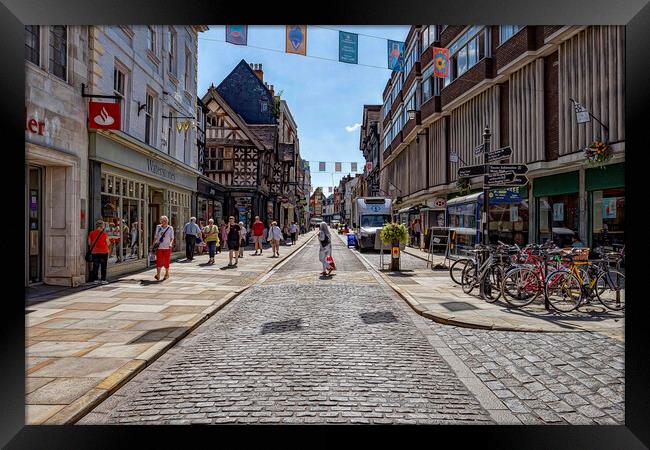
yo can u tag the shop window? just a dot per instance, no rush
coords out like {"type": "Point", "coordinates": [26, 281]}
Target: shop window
{"type": "Point", "coordinates": [608, 218]}
{"type": "Point", "coordinates": [509, 222]}
{"type": "Point", "coordinates": [559, 219]}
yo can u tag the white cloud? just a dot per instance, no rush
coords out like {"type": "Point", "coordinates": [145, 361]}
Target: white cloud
{"type": "Point", "coordinates": [350, 129]}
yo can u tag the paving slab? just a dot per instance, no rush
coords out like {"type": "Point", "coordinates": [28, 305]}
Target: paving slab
{"type": "Point", "coordinates": [105, 335]}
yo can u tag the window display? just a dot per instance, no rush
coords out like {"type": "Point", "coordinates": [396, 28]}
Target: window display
{"type": "Point", "coordinates": [608, 218]}
{"type": "Point", "coordinates": [559, 219]}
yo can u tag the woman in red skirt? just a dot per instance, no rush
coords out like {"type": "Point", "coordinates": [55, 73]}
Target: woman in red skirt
{"type": "Point", "coordinates": [162, 244]}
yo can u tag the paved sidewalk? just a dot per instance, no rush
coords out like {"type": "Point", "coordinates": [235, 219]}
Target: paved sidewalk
{"type": "Point", "coordinates": [84, 345]}
{"type": "Point", "coordinates": [434, 295]}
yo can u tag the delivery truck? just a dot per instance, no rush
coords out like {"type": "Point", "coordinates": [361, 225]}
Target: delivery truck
{"type": "Point", "coordinates": [369, 214]}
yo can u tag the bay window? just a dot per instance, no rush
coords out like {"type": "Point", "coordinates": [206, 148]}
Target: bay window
{"type": "Point", "coordinates": [467, 51]}
{"type": "Point", "coordinates": [508, 31]}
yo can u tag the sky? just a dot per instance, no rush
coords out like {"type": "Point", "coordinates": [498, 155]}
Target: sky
{"type": "Point", "coordinates": [325, 97]}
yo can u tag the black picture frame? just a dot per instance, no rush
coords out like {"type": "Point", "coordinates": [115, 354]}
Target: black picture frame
{"type": "Point", "coordinates": [635, 14]}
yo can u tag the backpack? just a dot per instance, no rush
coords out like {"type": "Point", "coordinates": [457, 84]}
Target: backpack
{"type": "Point", "coordinates": [325, 242]}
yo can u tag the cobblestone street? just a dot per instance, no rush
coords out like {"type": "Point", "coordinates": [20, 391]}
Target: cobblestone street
{"type": "Point", "coordinates": [301, 348]}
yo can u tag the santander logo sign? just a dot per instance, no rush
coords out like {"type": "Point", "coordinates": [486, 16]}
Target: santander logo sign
{"type": "Point", "coordinates": [104, 116]}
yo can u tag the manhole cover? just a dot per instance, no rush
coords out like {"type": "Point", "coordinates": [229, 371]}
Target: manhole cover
{"type": "Point", "coordinates": [378, 317]}
{"type": "Point", "coordinates": [458, 306]}
{"type": "Point", "coordinates": [282, 327]}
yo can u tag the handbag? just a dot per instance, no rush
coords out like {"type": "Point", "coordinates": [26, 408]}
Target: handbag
{"type": "Point", "coordinates": [154, 247]}
{"type": "Point", "coordinates": [89, 253]}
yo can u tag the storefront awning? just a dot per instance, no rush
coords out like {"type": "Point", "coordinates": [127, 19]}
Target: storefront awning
{"type": "Point", "coordinates": [466, 198]}
{"type": "Point", "coordinates": [411, 209]}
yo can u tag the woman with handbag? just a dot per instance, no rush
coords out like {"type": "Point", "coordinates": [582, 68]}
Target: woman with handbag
{"type": "Point", "coordinates": [100, 244]}
{"type": "Point", "coordinates": [162, 246]}
{"type": "Point", "coordinates": [325, 239]}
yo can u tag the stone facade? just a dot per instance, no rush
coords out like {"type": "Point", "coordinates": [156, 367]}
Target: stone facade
{"type": "Point", "coordinates": [56, 143]}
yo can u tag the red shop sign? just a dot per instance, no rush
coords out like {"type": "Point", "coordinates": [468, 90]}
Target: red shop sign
{"type": "Point", "coordinates": [104, 116]}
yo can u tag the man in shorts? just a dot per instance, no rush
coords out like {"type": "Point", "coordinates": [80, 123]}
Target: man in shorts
{"type": "Point", "coordinates": [258, 234]}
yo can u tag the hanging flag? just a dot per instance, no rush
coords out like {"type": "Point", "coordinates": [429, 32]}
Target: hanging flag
{"type": "Point", "coordinates": [237, 34]}
{"type": "Point", "coordinates": [369, 166]}
{"type": "Point", "coordinates": [396, 56]}
{"type": "Point", "coordinates": [330, 189]}
{"type": "Point", "coordinates": [440, 62]}
{"type": "Point", "coordinates": [353, 167]}
{"type": "Point", "coordinates": [321, 166]}
{"type": "Point", "coordinates": [296, 41]}
{"type": "Point", "coordinates": [348, 47]}
{"type": "Point", "coordinates": [337, 166]}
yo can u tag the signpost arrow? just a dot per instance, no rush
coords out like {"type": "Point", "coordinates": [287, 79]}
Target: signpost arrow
{"type": "Point", "coordinates": [500, 153]}
{"type": "Point", "coordinates": [471, 171]}
{"type": "Point", "coordinates": [478, 150]}
{"type": "Point", "coordinates": [505, 168]}
{"type": "Point", "coordinates": [498, 179]}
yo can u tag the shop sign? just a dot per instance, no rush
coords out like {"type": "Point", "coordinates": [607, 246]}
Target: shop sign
{"type": "Point", "coordinates": [35, 126]}
{"type": "Point", "coordinates": [104, 116]}
{"type": "Point", "coordinates": [437, 202]}
{"type": "Point", "coordinates": [160, 170]}
{"type": "Point", "coordinates": [502, 196]}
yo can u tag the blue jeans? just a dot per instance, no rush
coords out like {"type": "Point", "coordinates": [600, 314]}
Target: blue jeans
{"type": "Point", "coordinates": [212, 247]}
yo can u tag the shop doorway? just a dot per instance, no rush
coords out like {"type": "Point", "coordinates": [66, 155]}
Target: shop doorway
{"type": "Point", "coordinates": [35, 224]}
{"type": "Point", "coordinates": [155, 211]}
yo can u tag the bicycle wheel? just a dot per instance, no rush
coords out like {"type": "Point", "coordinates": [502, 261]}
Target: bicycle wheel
{"type": "Point", "coordinates": [520, 286]}
{"type": "Point", "coordinates": [610, 289]}
{"type": "Point", "coordinates": [469, 277]}
{"type": "Point", "coordinates": [492, 283]}
{"type": "Point", "coordinates": [456, 270]}
{"type": "Point", "coordinates": [563, 290]}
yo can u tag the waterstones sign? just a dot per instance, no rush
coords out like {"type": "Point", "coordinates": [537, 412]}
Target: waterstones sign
{"type": "Point", "coordinates": [160, 170]}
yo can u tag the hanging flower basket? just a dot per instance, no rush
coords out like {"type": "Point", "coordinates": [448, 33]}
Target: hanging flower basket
{"type": "Point", "coordinates": [598, 154]}
{"type": "Point", "coordinates": [464, 185]}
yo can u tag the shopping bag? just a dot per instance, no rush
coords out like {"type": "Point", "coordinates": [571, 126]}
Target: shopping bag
{"type": "Point", "coordinates": [330, 262]}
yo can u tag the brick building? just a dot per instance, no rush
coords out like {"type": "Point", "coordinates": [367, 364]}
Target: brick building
{"type": "Point", "coordinates": [518, 80]}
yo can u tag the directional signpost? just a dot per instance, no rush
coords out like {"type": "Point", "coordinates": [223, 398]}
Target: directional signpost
{"type": "Point", "coordinates": [505, 168]}
{"type": "Point", "coordinates": [479, 149]}
{"type": "Point", "coordinates": [499, 154]}
{"type": "Point", "coordinates": [471, 171]}
{"type": "Point", "coordinates": [498, 179]}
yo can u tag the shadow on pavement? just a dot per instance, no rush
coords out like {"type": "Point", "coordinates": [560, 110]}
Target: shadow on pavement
{"type": "Point", "coordinates": [155, 335]}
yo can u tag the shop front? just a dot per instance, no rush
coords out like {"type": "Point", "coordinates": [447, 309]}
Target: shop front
{"type": "Point", "coordinates": [606, 193]}
{"type": "Point", "coordinates": [557, 203]}
{"type": "Point", "coordinates": [210, 200]}
{"type": "Point", "coordinates": [131, 187]}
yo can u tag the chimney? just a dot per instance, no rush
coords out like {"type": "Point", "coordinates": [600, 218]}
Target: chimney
{"type": "Point", "coordinates": [257, 68]}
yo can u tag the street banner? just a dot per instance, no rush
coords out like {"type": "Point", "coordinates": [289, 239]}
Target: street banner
{"type": "Point", "coordinates": [396, 56]}
{"type": "Point", "coordinates": [337, 166]}
{"type": "Point", "coordinates": [237, 34]}
{"type": "Point", "coordinates": [440, 62]}
{"type": "Point", "coordinates": [104, 116]}
{"type": "Point", "coordinates": [305, 165]}
{"type": "Point", "coordinates": [296, 39]}
{"type": "Point", "coordinates": [348, 47]}
{"type": "Point", "coordinates": [353, 167]}
{"type": "Point", "coordinates": [329, 188]}
{"type": "Point", "coordinates": [321, 166]}
{"type": "Point", "coordinates": [369, 166]}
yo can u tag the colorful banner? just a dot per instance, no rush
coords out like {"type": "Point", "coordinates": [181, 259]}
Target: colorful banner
{"type": "Point", "coordinates": [396, 56]}
{"type": "Point", "coordinates": [440, 62]}
{"type": "Point", "coordinates": [353, 167]}
{"type": "Point", "coordinates": [348, 47]}
{"type": "Point", "coordinates": [337, 166]}
{"type": "Point", "coordinates": [321, 166]}
{"type": "Point", "coordinates": [296, 39]}
{"type": "Point", "coordinates": [329, 189]}
{"type": "Point", "coordinates": [237, 34]}
{"type": "Point", "coordinates": [369, 166]}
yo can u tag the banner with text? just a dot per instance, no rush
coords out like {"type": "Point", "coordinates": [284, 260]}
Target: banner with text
{"type": "Point", "coordinates": [348, 47]}
{"type": "Point", "coordinates": [296, 39]}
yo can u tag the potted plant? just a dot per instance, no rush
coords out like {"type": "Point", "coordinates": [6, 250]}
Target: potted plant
{"type": "Point", "coordinates": [394, 234]}
{"type": "Point", "coordinates": [598, 153]}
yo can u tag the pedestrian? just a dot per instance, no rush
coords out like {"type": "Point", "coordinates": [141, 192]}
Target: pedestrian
{"type": "Point", "coordinates": [136, 232]}
{"type": "Point", "coordinates": [233, 236]}
{"type": "Point", "coordinates": [258, 234]}
{"type": "Point", "coordinates": [100, 244]}
{"type": "Point", "coordinates": [418, 229]}
{"type": "Point", "coordinates": [293, 229]}
{"type": "Point", "coordinates": [191, 230]}
{"type": "Point", "coordinates": [243, 233]}
{"type": "Point", "coordinates": [302, 228]}
{"type": "Point", "coordinates": [275, 235]}
{"type": "Point", "coordinates": [211, 236]}
{"type": "Point", "coordinates": [325, 239]}
{"type": "Point", "coordinates": [224, 235]}
{"type": "Point", "coordinates": [163, 241]}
